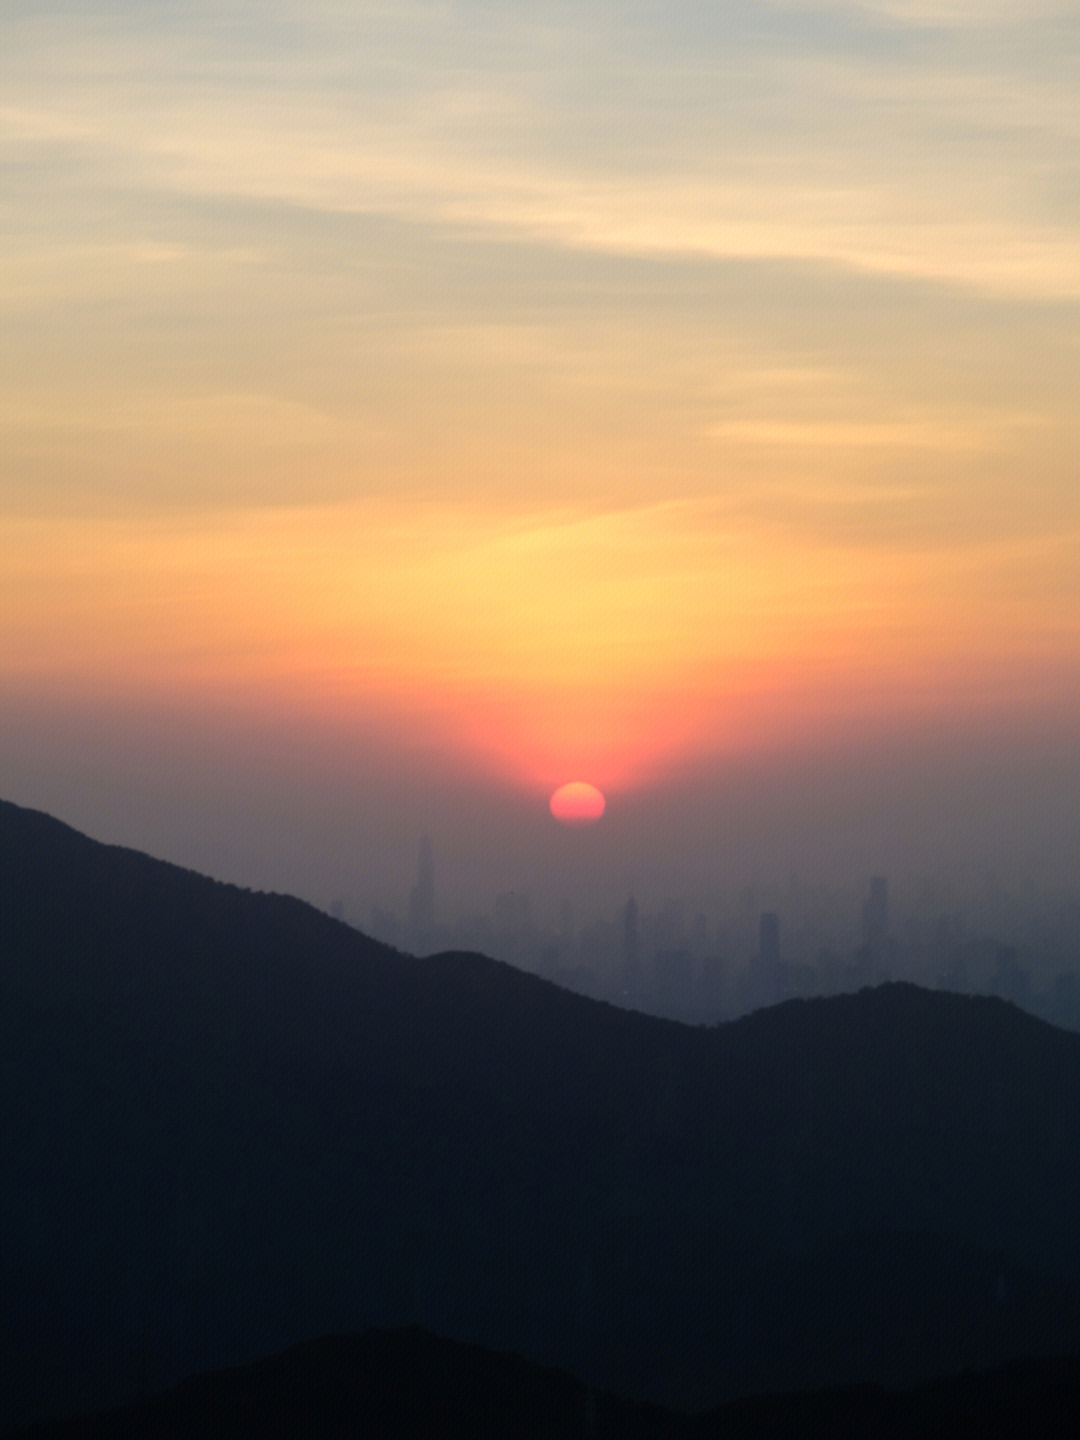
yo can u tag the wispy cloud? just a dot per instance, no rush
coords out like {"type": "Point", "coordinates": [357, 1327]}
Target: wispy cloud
{"type": "Point", "coordinates": [958, 432]}
{"type": "Point", "coordinates": [884, 163]}
{"type": "Point", "coordinates": [936, 14]}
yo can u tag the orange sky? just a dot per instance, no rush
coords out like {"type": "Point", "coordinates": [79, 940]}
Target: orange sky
{"type": "Point", "coordinates": [600, 399]}
{"type": "Point", "coordinates": [614, 645]}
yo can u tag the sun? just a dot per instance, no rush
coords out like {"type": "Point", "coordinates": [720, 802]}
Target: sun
{"type": "Point", "coordinates": [577, 803]}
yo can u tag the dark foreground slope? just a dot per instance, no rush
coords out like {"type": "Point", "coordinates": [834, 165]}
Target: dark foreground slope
{"type": "Point", "coordinates": [229, 1124]}
{"type": "Point", "coordinates": [406, 1383]}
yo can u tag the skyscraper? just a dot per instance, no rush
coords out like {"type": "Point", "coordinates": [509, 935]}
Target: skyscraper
{"type": "Point", "coordinates": [422, 898]}
{"type": "Point", "coordinates": [875, 914]}
{"type": "Point", "coordinates": [770, 967]}
{"type": "Point", "coordinates": [631, 963]}
{"type": "Point", "coordinates": [769, 938]}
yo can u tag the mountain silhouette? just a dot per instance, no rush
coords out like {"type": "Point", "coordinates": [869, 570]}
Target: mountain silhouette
{"type": "Point", "coordinates": [407, 1383]}
{"type": "Point", "coordinates": [231, 1124]}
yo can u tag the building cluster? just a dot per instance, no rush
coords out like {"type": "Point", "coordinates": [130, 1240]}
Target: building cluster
{"type": "Point", "coordinates": [703, 968]}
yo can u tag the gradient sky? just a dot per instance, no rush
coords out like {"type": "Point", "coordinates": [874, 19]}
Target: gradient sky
{"type": "Point", "coordinates": [407, 408]}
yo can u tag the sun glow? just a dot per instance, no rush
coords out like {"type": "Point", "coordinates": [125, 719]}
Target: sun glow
{"type": "Point", "coordinates": [577, 803]}
{"type": "Point", "coordinates": [620, 644]}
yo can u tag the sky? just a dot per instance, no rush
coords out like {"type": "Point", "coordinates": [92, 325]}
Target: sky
{"type": "Point", "coordinates": [408, 408]}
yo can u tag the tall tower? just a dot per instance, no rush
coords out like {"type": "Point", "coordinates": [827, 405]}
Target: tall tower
{"type": "Point", "coordinates": [422, 897]}
{"type": "Point", "coordinates": [875, 914]}
{"type": "Point", "coordinates": [631, 960]}
{"type": "Point", "coordinates": [772, 970]}
{"type": "Point", "coordinates": [769, 938]}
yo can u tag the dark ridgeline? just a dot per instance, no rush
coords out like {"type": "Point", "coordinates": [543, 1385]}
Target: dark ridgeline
{"type": "Point", "coordinates": [231, 1124]}
{"type": "Point", "coordinates": [410, 1385]}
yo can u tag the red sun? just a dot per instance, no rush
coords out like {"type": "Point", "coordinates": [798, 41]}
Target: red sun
{"type": "Point", "coordinates": [577, 803]}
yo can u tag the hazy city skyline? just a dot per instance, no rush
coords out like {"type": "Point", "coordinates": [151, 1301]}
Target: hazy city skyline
{"type": "Point", "coordinates": [705, 962]}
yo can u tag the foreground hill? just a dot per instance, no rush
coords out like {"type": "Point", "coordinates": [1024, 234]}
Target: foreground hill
{"type": "Point", "coordinates": [406, 1383]}
{"type": "Point", "coordinates": [229, 1123]}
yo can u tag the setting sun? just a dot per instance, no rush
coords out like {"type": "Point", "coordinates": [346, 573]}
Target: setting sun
{"type": "Point", "coordinates": [577, 803]}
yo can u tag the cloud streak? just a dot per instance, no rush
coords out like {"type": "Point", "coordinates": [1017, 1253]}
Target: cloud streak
{"type": "Point", "coordinates": [898, 169]}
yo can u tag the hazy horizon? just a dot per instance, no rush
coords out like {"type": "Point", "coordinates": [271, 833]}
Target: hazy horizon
{"type": "Point", "coordinates": [408, 411]}
{"type": "Point", "coordinates": [835, 822]}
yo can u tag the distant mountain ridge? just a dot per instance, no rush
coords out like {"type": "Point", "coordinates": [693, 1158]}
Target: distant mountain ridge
{"type": "Point", "coordinates": [229, 1123]}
